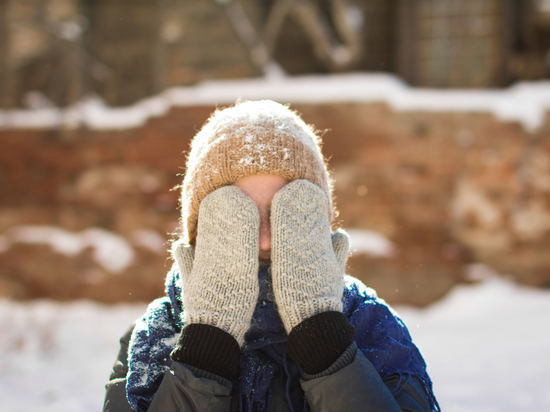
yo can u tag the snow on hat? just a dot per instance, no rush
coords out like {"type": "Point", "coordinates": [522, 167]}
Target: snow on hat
{"type": "Point", "coordinates": [252, 137]}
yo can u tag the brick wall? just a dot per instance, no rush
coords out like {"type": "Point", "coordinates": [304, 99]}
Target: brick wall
{"type": "Point", "coordinates": [447, 189]}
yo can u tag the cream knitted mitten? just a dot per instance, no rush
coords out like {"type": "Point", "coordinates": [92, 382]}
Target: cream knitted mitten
{"type": "Point", "coordinates": [220, 275]}
{"type": "Point", "coordinates": [308, 262]}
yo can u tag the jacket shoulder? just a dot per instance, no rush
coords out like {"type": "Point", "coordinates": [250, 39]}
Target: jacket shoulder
{"type": "Point", "coordinates": [355, 286]}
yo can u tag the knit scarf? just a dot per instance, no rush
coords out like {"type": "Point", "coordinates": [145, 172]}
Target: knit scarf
{"type": "Point", "coordinates": [380, 334]}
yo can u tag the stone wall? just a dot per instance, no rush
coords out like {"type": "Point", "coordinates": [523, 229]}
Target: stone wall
{"type": "Point", "coordinates": [447, 189]}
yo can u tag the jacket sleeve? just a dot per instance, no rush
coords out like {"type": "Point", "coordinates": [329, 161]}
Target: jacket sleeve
{"type": "Point", "coordinates": [359, 387]}
{"type": "Point", "coordinates": [115, 390]}
{"type": "Point", "coordinates": [181, 390]}
{"type": "Point", "coordinates": [184, 391]}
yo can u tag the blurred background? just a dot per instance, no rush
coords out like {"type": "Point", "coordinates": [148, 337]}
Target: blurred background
{"type": "Point", "coordinates": [434, 115]}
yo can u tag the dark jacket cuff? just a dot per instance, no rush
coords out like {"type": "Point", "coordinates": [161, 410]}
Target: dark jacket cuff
{"type": "Point", "coordinates": [317, 342]}
{"type": "Point", "coordinates": [344, 360]}
{"type": "Point", "coordinates": [208, 348]}
{"type": "Point", "coordinates": [200, 373]}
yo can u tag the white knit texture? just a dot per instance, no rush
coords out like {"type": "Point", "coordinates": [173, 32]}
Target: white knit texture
{"type": "Point", "coordinates": [220, 275]}
{"type": "Point", "coordinates": [308, 263]}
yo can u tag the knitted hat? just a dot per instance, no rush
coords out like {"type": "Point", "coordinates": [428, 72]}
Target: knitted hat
{"type": "Point", "coordinates": [253, 137]}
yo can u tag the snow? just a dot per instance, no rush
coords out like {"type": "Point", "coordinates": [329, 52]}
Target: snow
{"type": "Point", "coordinates": [57, 357]}
{"type": "Point", "coordinates": [369, 243]}
{"type": "Point", "coordinates": [525, 102]}
{"type": "Point", "coordinates": [150, 239]}
{"type": "Point", "coordinates": [110, 251]}
{"type": "Point", "coordinates": [486, 346]}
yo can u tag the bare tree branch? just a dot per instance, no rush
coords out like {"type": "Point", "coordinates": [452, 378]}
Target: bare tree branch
{"type": "Point", "coordinates": [337, 55]}
{"type": "Point", "coordinates": [259, 53]}
{"type": "Point", "coordinates": [338, 48]}
{"type": "Point", "coordinates": [274, 22]}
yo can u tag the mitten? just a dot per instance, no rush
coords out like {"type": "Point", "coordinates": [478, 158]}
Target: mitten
{"type": "Point", "coordinates": [308, 262]}
{"type": "Point", "coordinates": [220, 275]}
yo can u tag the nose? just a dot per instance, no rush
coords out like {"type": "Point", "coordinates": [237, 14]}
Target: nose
{"type": "Point", "coordinates": [265, 234]}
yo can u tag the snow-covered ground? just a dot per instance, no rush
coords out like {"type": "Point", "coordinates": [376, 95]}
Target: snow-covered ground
{"type": "Point", "coordinates": [57, 356]}
{"type": "Point", "coordinates": [487, 347]}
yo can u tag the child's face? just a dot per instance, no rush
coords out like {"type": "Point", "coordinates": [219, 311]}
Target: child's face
{"type": "Point", "coordinates": [261, 189]}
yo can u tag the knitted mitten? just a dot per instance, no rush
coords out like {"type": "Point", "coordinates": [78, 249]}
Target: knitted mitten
{"type": "Point", "coordinates": [220, 276]}
{"type": "Point", "coordinates": [308, 262]}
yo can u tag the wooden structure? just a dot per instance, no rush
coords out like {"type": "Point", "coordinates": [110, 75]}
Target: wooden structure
{"type": "Point", "coordinates": [57, 51]}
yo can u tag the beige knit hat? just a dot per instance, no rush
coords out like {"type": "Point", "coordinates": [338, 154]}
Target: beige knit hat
{"type": "Point", "coordinates": [253, 137]}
